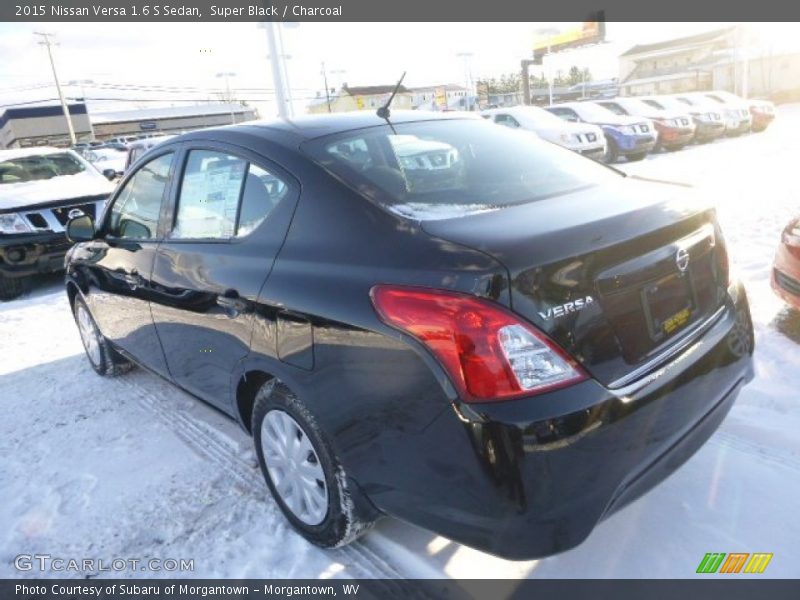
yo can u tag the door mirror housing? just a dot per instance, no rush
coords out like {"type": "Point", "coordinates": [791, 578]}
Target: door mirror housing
{"type": "Point", "coordinates": [110, 174]}
{"type": "Point", "coordinates": [80, 229]}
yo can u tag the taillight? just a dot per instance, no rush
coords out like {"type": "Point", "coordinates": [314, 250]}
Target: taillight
{"type": "Point", "coordinates": [489, 353]}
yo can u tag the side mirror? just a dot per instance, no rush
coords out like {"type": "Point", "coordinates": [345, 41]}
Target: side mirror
{"type": "Point", "coordinates": [80, 229]}
{"type": "Point", "coordinates": [110, 174]}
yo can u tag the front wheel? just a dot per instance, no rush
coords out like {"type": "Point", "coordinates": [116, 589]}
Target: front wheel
{"type": "Point", "coordinates": [12, 287]}
{"type": "Point", "coordinates": [104, 359]}
{"type": "Point", "coordinates": [612, 152]}
{"type": "Point", "coordinates": [302, 472]}
{"type": "Point", "coordinates": [636, 157]}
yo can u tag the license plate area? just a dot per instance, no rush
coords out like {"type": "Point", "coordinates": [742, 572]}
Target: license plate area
{"type": "Point", "coordinates": [668, 305]}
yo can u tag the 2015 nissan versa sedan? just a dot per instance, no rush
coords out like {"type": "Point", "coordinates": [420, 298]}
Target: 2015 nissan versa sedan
{"type": "Point", "coordinates": [503, 344]}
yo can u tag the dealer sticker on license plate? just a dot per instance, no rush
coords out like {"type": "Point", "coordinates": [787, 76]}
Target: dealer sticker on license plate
{"type": "Point", "coordinates": [677, 321]}
{"type": "Point", "coordinates": [667, 305]}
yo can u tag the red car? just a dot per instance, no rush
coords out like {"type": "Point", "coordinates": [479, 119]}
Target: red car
{"type": "Point", "coordinates": [786, 274]}
{"type": "Point", "coordinates": [762, 113]}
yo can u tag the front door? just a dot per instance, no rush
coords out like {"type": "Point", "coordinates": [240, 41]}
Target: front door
{"type": "Point", "coordinates": [118, 264]}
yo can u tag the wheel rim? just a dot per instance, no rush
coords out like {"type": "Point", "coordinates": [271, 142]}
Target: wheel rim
{"type": "Point", "coordinates": [294, 467]}
{"type": "Point", "coordinates": [88, 335]}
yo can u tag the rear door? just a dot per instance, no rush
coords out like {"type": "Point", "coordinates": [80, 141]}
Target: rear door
{"type": "Point", "coordinates": [230, 212]}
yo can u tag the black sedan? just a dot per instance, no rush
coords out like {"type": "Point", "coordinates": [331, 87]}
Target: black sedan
{"type": "Point", "coordinates": [426, 316]}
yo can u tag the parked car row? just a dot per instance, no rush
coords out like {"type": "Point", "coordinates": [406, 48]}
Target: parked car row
{"type": "Point", "coordinates": [113, 157]}
{"type": "Point", "coordinates": [632, 127]}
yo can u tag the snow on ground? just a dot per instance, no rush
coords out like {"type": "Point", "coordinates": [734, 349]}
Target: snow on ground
{"type": "Point", "coordinates": [134, 468]}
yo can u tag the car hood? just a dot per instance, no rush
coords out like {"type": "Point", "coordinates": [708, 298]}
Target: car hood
{"type": "Point", "coordinates": [66, 187]}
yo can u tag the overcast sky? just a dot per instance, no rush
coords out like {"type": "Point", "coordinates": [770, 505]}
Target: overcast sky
{"type": "Point", "coordinates": [119, 56]}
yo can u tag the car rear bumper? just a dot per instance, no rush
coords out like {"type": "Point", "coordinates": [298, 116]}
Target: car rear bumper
{"type": "Point", "coordinates": [30, 254]}
{"type": "Point", "coordinates": [636, 144]}
{"type": "Point", "coordinates": [709, 130]}
{"type": "Point", "coordinates": [761, 120]}
{"type": "Point", "coordinates": [786, 275]}
{"type": "Point", "coordinates": [596, 153]}
{"type": "Point", "coordinates": [676, 137]}
{"type": "Point", "coordinates": [736, 128]}
{"type": "Point", "coordinates": [528, 478]}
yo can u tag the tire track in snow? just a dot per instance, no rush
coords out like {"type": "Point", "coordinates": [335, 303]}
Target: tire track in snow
{"type": "Point", "coordinates": [765, 453]}
{"type": "Point", "coordinates": [200, 437]}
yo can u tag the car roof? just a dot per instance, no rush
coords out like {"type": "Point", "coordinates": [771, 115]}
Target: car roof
{"type": "Point", "coordinates": [307, 127]}
{"type": "Point", "coordinates": [33, 151]}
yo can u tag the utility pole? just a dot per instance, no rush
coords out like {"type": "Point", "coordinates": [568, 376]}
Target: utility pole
{"type": "Point", "coordinates": [327, 90]}
{"type": "Point", "coordinates": [48, 43]}
{"type": "Point", "coordinates": [467, 56]}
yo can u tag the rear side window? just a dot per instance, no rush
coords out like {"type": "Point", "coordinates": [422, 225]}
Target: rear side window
{"type": "Point", "coordinates": [565, 113]}
{"type": "Point", "coordinates": [134, 214]}
{"type": "Point", "coordinates": [224, 196]}
{"type": "Point", "coordinates": [614, 107]}
{"type": "Point", "coordinates": [450, 168]}
{"type": "Point", "coordinates": [506, 120]}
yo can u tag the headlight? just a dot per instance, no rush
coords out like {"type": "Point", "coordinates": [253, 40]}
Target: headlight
{"type": "Point", "coordinates": [626, 130]}
{"type": "Point", "coordinates": [13, 223]}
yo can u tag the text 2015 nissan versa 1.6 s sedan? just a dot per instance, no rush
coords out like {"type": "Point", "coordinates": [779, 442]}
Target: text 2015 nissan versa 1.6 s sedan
{"type": "Point", "coordinates": [480, 333]}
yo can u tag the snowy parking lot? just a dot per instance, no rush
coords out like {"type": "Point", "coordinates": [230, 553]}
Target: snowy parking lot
{"type": "Point", "coordinates": [133, 467]}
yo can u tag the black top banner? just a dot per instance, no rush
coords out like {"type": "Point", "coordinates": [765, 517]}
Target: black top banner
{"type": "Point", "coordinates": [394, 10]}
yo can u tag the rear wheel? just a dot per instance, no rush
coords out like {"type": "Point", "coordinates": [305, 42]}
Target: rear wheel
{"type": "Point", "coordinates": [301, 470]}
{"type": "Point", "coordinates": [104, 359]}
{"type": "Point", "coordinates": [12, 287]}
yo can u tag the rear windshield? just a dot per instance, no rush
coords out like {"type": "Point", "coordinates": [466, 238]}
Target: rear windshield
{"type": "Point", "coordinates": [33, 168]}
{"type": "Point", "coordinates": [444, 169]}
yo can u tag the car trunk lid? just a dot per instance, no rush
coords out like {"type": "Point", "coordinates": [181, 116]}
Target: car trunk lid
{"type": "Point", "coordinates": [618, 275]}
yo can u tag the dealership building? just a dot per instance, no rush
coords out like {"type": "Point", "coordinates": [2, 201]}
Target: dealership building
{"type": "Point", "coordinates": [44, 124]}
{"type": "Point", "coordinates": [173, 119]}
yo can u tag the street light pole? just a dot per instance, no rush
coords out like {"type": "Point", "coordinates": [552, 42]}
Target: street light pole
{"type": "Point", "coordinates": [277, 74]}
{"type": "Point", "coordinates": [467, 56]}
{"type": "Point", "coordinates": [48, 43]}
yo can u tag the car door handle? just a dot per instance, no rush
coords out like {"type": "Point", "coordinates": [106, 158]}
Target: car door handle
{"type": "Point", "coordinates": [231, 302]}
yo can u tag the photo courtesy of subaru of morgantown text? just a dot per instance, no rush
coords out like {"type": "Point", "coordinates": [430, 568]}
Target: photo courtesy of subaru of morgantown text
{"type": "Point", "coordinates": [525, 304]}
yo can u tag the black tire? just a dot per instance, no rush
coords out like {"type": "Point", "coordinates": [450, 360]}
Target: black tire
{"type": "Point", "coordinates": [612, 152]}
{"type": "Point", "coordinates": [109, 363]}
{"type": "Point", "coordinates": [636, 157]}
{"type": "Point", "coordinates": [344, 521]}
{"type": "Point", "coordinates": [13, 287]}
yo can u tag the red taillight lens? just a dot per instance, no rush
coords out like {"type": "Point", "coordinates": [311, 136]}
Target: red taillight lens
{"type": "Point", "coordinates": [489, 353]}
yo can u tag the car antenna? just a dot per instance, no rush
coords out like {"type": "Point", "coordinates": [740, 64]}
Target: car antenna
{"type": "Point", "coordinates": [383, 112]}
